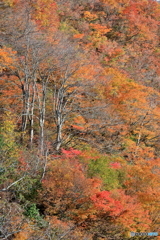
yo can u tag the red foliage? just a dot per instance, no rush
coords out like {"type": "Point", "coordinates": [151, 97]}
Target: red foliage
{"type": "Point", "coordinates": [115, 165]}
{"type": "Point", "coordinates": [133, 216]}
{"type": "Point", "coordinates": [123, 209]}
{"type": "Point", "coordinates": [23, 165]}
{"type": "Point", "coordinates": [104, 202]}
{"type": "Point", "coordinates": [71, 153]}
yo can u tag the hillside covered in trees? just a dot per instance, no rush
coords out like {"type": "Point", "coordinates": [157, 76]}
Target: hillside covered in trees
{"type": "Point", "coordinates": [80, 119]}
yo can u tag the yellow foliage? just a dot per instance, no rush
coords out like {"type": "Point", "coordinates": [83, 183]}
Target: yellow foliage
{"type": "Point", "coordinates": [8, 130]}
{"type": "Point", "coordinates": [90, 16]}
{"type": "Point", "coordinates": [9, 2]}
{"type": "Point", "coordinates": [8, 135]}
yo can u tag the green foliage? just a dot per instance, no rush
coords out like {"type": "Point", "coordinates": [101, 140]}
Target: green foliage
{"type": "Point", "coordinates": [31, 211]}
{"type": "Point", "coordinates": [8, 148]}
{"type": "Point", "coordinates": [1, 142]}
{"type": "Point", "coordinates": [67, 28]}
{"type": "Point", "coordinates": [103, 84]}
{"type": "Point", "coordinates": [101, 168]}
{"type": "Point", "coordinates": [2, 170]}
{"type": "Point", "coordinates": [27, 189]}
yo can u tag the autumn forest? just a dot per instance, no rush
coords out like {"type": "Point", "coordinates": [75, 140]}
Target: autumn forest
{"type": "Point", "coordinates": [79, 119]}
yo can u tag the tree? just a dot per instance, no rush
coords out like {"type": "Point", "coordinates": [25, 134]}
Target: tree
{"type": "Point", "coordinates": [68, 196]}
{"type": "Point", "coordinates": [80, 119]}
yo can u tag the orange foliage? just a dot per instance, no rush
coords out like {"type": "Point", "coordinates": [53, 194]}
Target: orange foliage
{"type": "Point", "coordinates": [80, 36]}
{"type": "Point", "coordinates": [116, 4]}
{"type": "Point", "coordinates": [139, 23]}
{"type": "Point", "coordinates": [133, 216]}
{"type": "Point", "coordinates": [129, 98]}
{"type": "Point", "coordinates": [10, 87]}
{"type": "Point", "coordinates": [116, 70]}
{"type": "Point", "coordinates": [66, 189]}
{"type": "Point", "coordinates": [7, 59]}
{"type": "Point", "coordinates": [46, 15]}
{"type": "Point", "coordinates": [24, 233]}
{"type": "Point", "coordinates": [99, 29]}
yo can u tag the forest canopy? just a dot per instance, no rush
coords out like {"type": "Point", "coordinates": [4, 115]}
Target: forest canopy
{"type": "Point", "coordinates": [80, 119]}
